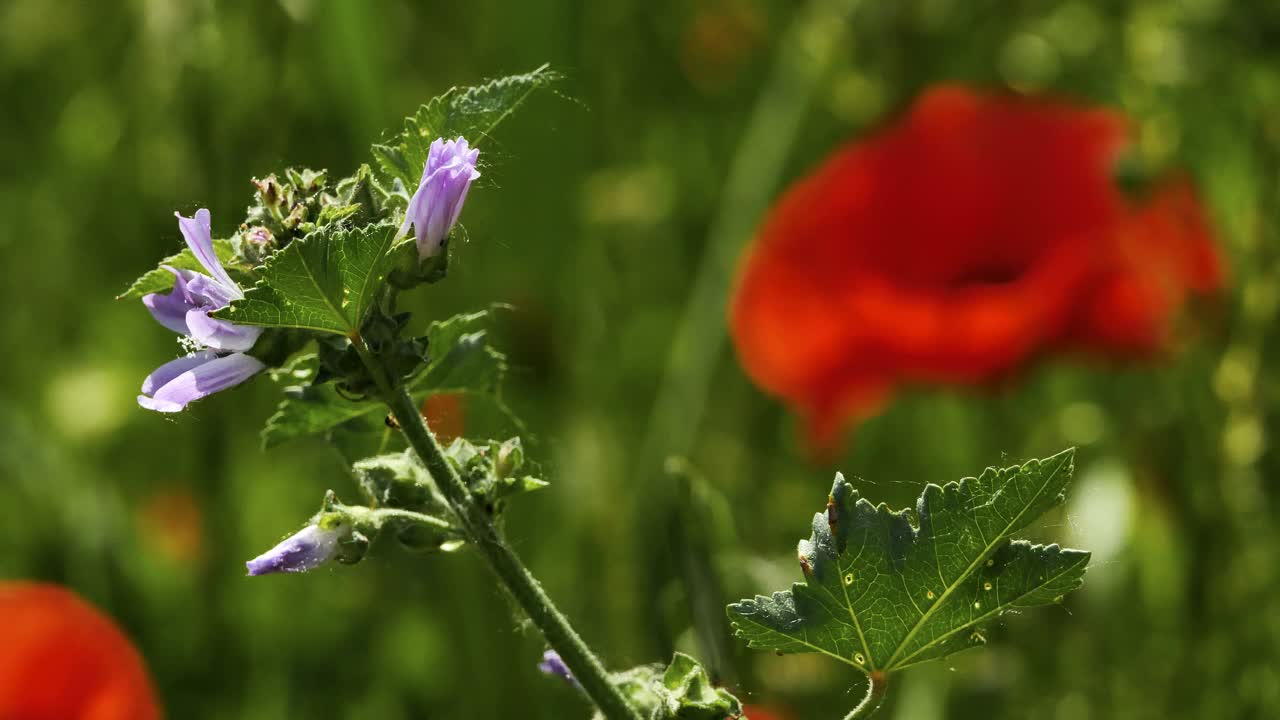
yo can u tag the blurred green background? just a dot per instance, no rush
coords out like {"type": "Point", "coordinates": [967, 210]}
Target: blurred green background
{"type": "Point", "coordinates": [594, 219]}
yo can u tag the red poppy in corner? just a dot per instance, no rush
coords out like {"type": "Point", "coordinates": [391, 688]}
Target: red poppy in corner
{"type": "Point", "coordinates": [61, 659]}
{"type": "Point", "coordinates": [956, 245]}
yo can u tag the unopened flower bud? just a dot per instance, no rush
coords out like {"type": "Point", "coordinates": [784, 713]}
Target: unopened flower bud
{"type": "Point", "coordinates": [256, 243]}
{"type": "Point", "coordinates": [268, 190]}
{"type": "Point", "coordinates": [436, 205]}
{"type": "Point", "coordinates": [553, 665]}
{"type": "Point", "coordinates": [510, 458]}
{"type": "Point", "coordinates": [307, 549]}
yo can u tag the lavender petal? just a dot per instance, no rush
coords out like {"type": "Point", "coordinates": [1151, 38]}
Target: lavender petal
{"type": "Point", "coordinates": [165, 374]}
{"type": "Point", "coordinates": [553, 664]}
{"type": "Point", "coordinates": [436, 205]}
{"type": "Point", "coordinates": [204, 291]}
{"type": "Point", "coordinates": [175, 384]}
{"type": "Point", "coordinates": [220, 334]}
{"type": "Point", "coordinates": [170, 310]}
{"type": "Point", "coordinates": [198, 233]}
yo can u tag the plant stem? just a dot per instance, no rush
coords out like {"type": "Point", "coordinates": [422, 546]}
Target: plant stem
{"type": "Point", "coordinates": [502, 559]}
{"type": "Point", "coordinates": [877, 686]}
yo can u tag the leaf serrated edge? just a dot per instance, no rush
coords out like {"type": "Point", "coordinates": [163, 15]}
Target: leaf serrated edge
{"type": "Point", "coordinates": [1065, 459]}
{"type": "Point", "coordinates": [737, 618]}
{"type": "Point", "coordinates": [740, 612]}
{"type": "Point", "coordinates": [1081, 563]}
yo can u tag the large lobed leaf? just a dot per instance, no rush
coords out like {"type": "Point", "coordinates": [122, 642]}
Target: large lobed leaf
{"type": "Point", "coordinates": [460, 360]}
{"type": "Point", "coordinates": [325, 282]}
{"type": "Point", "coordinates": [882, 594]}
{"type": "Point", "coordinates": [471, 112]}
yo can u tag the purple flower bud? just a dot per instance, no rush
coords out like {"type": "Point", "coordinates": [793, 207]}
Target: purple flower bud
{"type": "Point", "coordinates": [260, 236]}
{"type": "Point", "coordinates": [307, 549]}
{"type": "Point", "coordinates": [552, 664]}
{"type": "Point", "coordinates": [435, 207]}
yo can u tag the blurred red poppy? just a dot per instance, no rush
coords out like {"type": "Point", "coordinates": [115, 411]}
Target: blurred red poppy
{"type": "Point", "coordinates": [170, 523]}
{"type": "Point", "coordinates": [954, 246]}
{"type": "Point", "coordinates": [446, 415]}
{"type": "Point", "coordinates": [753, 712]}
{"type": "Point", "coordinates": [61, 659]}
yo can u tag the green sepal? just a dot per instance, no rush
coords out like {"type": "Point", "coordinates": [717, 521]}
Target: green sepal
{"type": "Point", "coordinates": [399, 480]}
{"type": "Point", "coordinates": [492, 471]}
{"type": "Point", "coordinates": [679, 691]}
{"type": "Point", "coordinates": [367, 523]}
{"type": "Point", "coordinates": [288, 207]}
{"type": "Point", "coordinates": [409, 271]}
{"type": "Point", "coordinates": [362, 189]}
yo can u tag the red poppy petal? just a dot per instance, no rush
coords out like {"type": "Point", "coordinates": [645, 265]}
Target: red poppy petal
{"type": "Point", "coordinates": [61, 659]}
{"type": "Point", "coordinates": [1161, 254]}
{"type": "Point", "coordinates": [955, 246]}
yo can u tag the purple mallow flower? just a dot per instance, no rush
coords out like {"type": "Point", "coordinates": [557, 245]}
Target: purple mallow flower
{"type": "Point", "coordinates": [435, 207]}
{"type": "Point", "coordinates": [307, 549]}
{"type": "Point", "coordinates": [217, 362]}
{"type": "Point", "coordinates": [553, 664]}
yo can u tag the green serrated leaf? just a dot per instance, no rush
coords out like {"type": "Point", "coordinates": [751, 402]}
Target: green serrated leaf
{"type": "Point", "coordinates": [883, 594]}
{"type": "Point", "coordinates": [309, 409]}
{"type": "Point", "coordinates": [471, 112]}
{"type": "Point", "coordinates": [325, 282]}
{"type": "Point", "coordinates": [461, 360]}
{"type": "Point", "coordinates": [161, 280]}
{"type": "Point", "coordinates": [680, 691]}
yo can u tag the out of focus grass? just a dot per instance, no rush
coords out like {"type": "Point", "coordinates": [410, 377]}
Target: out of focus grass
{"type": "Point", "coordinates": [592, 220]}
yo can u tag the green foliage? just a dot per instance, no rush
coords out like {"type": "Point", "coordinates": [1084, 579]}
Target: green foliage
{"type": "Point", "coordinates": [325, 282]}
{"type": "Point", "coordinates": [303, 201]}
{"type": "Point", "coordinates": [492, 471]}
{"type": "Point", "coordinates": [680, 691]}
{"type": "Point", "coordinates": [883, 594]}
{"type": "Point", "coordinates": [472, 112]}
{"type": "Point", "coordinates": [402, 491]}
{"type": "Point", "coordinates": [459, 359]}
{"type": "Point", "coordinates": [161, 280]}
{"type": "Point", "coordinates": [399, 480]}
{"type": "Point", "coordinates": [287, 208]}
{"type": "Point", "coordinates": [432, 531]}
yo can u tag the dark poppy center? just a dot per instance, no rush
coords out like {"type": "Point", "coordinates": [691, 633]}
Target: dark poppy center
{"type": "Point", "coordinates": [989, 275]}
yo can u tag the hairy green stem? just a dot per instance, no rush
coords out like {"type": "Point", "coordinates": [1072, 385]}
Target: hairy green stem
{"type": "Point", "coordinates": [877, 686]}
{"type": "Point", "coordinates": [502, 559]}
{"type": "Point", "coordinates": [420, 518]}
